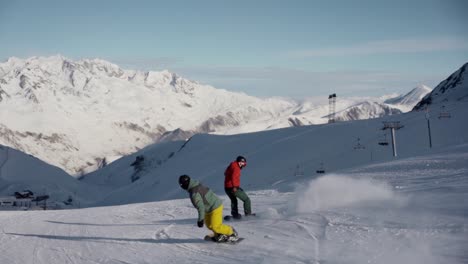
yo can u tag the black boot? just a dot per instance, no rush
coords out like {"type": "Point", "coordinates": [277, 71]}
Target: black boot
{"type": "Point", "coordinates": [237, 216]}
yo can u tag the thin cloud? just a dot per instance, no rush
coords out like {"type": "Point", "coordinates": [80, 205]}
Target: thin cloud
{"type": "Point", "coordinates": [148, 64]}
{"type": "Point", "coordinates": [273, 81]}
{"type": "Point", "coordinates": [388, 47]}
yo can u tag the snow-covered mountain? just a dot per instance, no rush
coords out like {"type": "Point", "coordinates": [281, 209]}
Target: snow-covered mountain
{"type": "Point", "coordinates": [79, 114]}
{"type": "Point", "coordinates": [366, 110]}
{"type": "Point", "coordinates": [19, 171]}
{"type": "Point", "coordinates": [452, 89]}
{"type": "Point", "coordinates": [305, 149]}
{"type": "Point", "coordinates": [150, 174]}
{"type": "Point", "coordinates": [75, 113]}
{"type": "Point", "coordinates": [409, 100]}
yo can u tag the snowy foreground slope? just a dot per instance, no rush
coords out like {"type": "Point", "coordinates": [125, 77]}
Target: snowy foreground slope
{"type": "Point", "coordinates": [411, 210]}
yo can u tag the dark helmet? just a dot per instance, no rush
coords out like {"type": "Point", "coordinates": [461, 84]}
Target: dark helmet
{"type": "Point", "coordinates": [184, 181]}
{"type": "Point", "coordinates": [240, 158]}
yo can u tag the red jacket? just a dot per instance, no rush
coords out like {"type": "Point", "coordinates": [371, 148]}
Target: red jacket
{"type": "Point", "coordinates": [232, 175]}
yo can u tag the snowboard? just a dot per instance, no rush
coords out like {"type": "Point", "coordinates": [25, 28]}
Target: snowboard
{"type": "Point", "coordinates": [211, 238]}
{"type": "Point", "coordinates": [231, 218]}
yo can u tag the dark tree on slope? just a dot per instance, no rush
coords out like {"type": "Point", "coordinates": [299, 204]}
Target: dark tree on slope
{"type": "Point", "coordinates": [138, 166]}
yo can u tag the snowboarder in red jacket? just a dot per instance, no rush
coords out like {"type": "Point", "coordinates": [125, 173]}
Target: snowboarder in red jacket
{"type": "Point", "coordinates": [233, 189]}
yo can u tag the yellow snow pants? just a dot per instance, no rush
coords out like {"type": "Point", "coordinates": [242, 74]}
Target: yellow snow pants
{"type": "Point", "coordinates": [214, 222]}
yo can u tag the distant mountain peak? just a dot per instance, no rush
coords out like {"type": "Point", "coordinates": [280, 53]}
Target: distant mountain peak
{"type": "Point", "coordinates": [411, 98]}
{"type": "Point", "coordinates": [452, 89]}
{"type": "Point", "coordinates": [365, 110]}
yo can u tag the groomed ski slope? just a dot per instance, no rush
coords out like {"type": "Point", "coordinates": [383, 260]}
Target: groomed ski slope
{"type": "Point", "coordinates": [410, 210]}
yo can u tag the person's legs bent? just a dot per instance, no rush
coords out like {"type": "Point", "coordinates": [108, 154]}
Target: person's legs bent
{"type": "Point", "coordinates": [214, 222]}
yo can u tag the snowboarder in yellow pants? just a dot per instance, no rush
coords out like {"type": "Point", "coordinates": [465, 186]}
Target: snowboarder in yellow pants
{"type": "Point", "coordinates": [210, 209]}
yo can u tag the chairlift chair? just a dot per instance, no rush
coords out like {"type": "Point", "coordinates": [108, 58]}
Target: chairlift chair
{"type": "Point", "coordinates": [443, 113]}
{"type": "Point", "coordinates": [383, 141]}
{"type": "Point", "coordinates": [321, 170]}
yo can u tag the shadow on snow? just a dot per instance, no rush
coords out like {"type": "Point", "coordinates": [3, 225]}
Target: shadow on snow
{"type": "Point", "coordinates": [99, 239]}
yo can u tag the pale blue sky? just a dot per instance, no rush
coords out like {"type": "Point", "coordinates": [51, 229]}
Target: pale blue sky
{"type": "Point", "coordinates": [263, 48]}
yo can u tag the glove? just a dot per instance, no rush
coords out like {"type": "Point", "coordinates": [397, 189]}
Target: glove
{"type": "Point", "coordinates": [200, 223]}
{"type": "Point", "coordinates": [234, 189]}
